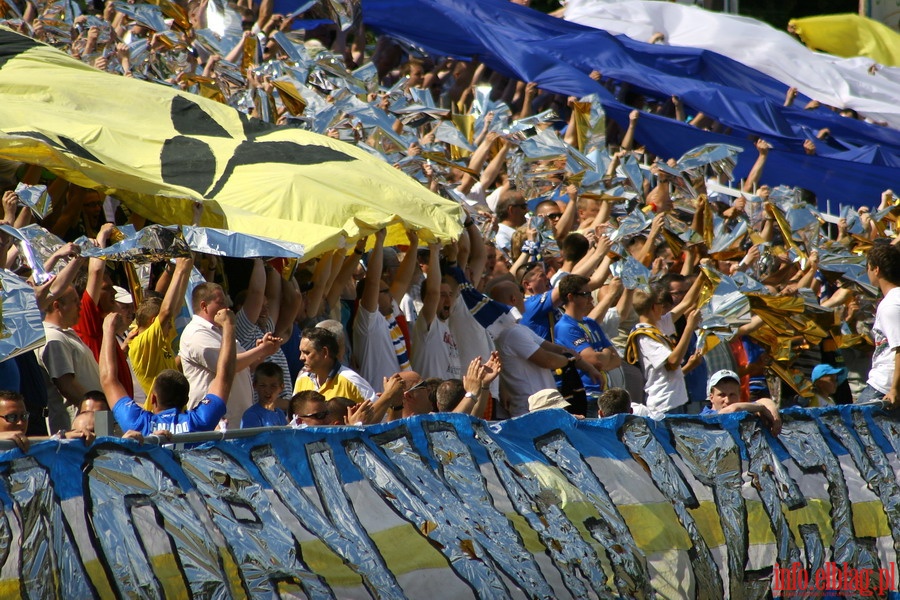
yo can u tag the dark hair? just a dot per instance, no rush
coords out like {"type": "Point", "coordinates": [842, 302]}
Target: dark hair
{"type": "Point", "coordinates": [449, 394]}
{"type": "Point", "coordinates": [614, 401]}
{"type": "Point", "coordinates": [670, 278]}
{"type": "Point", "coordinates": [94, 396]}
{"type": "Point", "coordinates": [338, 407]}
{"type": "Point", "coordinates": [571, 284]}
{"type": "Point", "coordinates": [268, 369]}
{"type": "Point", "coordinates": [507, 199]}
{"type": "Point", "coordinates": [11, 396]}
{"type": "Point", "coordinates": [172, 389]}
{"type": "Point", "coordinates": [886, 258]}
{"type": "Point", "coordinates": [574, 247]}
{"type": "Point", "coordinates": [321, 338]}
{"type": "Point", "coordinates": [303, 397]}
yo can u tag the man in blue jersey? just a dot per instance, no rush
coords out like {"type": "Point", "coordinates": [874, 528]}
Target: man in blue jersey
{"type": "Point", "coordinates": [577, 331]}
{"type": "Point", "coordinates": [170, 391]}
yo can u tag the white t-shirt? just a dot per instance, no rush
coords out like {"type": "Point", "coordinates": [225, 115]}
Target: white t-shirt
{"type": "Point", "coordinates": [376, 352]}
{"type": "Point", "coordinates": [471, 338]}
{"type": "Point", "coordinates": [665, 389]}
{"type": "Point", "coordinates": [503, 239]}
{"type": "Point", "coordinates": [434, 350]}
{"type": "Point", "coordinates": [886, 332]}
{"type": "Point", "coordinates": [521, 378]}
{"type": "Point", "coordinates": [199, 352]}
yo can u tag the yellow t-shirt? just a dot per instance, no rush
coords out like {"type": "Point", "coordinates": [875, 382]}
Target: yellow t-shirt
{"type": "Point", "coordinates": [150, 353]}
{"type": "Point", "coordinates": [342, 383]}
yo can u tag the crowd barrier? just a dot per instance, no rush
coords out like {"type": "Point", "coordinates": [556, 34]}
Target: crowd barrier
{"type": "Point", "coordinates": [445, 506]}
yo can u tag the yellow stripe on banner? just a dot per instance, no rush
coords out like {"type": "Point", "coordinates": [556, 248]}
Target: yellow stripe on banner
{"type": "Point", "coordinates": [10, 588]}
{"type": "Point", "coordinates": [169, 575]}
{"type": "Point", "coordinates": [651, 525]}
{"type": "Point", "coordinates": [869, 520]}
{"type": "Point", "coordinates": [98, 577]}
{"type": "Point", "coordinates": [232, 573]}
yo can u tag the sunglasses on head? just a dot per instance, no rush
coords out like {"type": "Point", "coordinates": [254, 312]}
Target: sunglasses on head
{"type": "Point", "coordinates": [13, 418]}
{"type": "Point", "coordinates": [418, 386]}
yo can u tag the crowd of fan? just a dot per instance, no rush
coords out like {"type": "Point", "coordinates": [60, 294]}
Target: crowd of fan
{"type": "Point", "coordinates": [523, 312]}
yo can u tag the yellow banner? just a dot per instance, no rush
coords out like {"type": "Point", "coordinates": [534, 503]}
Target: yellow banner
{"type": "Point", "coordinates": [850, 35]}
{"type": "Point", "coordinates": [158, 149]}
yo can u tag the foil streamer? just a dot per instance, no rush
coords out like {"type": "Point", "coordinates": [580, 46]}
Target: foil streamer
{"type": "Point", "coordinates": [222, 242]}
{"type": "Point", "coordinates": [35, 245]}
{"type": "Point", "coordinates": [854, 223]}
{"type": "Point", "coordinates": [632, 576]}
{"type": "Point", "coordinates": [235, 501]}
{"type": "Point", "coordinates": [21, 328]}
{"type": "Point", "coordinates": [147, 15]}
{"type": "Point", "coordinates": [713, 459]}
{"type": "Point", "coordinates": [154, 243]}
{"type": "Point", "coordinates": [640, 441]}
{"type": "Point", "coordinates": [636, 222]}
{"type": "Point", "coordinates": [633, 274]}
{"type": "Point", "coordinates": [633, 172]}
{"type": "Point", "coordinates": [802, 437]}
{"type": "Point", "coordinates": [721, 157]}
{"type": "Point", "coordinates": [543, 146]}
{"type": "Point", "coordinates": [542, 512]}
{"type": "Point", "coordinates": [466, 557]}
{"type": "Point", "coordinates": [447, 132]}
{"type": "Point", "coordinates": [728, 244]}
{"type": "Point", "coordinates": [338, 525]}
{"type": "Point", "coordinates": [36, 198]}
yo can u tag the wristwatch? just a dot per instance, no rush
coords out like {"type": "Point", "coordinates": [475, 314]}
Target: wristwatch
{"type": "Point", "coordinates": [469, 395]}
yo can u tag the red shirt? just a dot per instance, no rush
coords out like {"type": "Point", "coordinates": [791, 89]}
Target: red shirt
{"type": "Point", "coordinates": [90, 329]}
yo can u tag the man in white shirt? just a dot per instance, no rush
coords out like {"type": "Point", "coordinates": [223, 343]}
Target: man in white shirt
{"type": "Point", "coordinates": [883, 268]}
{"type": "Point", "coordinates": [199, 352]}
{"type": "Point", "coordinates": [511, 211]}
{"type": "Point", "coordinates": [435, 352]}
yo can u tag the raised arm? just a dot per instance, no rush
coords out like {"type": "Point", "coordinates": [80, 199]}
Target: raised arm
{"type": "Point", "coordinates": [406, 270]}
{"type": "Point", "coordinates": [174, 297]}
{"type": "Point", "coordinates": [96, 266]}
{"type": "Point", "coordinates": [109, 371]}
{"type": "Point", "coordinates": [256, 291]}
{"type": "Point", "coordinates": [372, 285]}
{"type": "Point", "coordinates": [431, 292]}
{"type": "Point", "coordinates": [225, 367]}
{"type": "Point", "coordinates": [756, 170]}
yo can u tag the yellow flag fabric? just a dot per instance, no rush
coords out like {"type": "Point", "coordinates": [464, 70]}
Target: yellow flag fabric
{"type": "Point", "coordinates": [850, 35]}
{"type": "Point", "coordinates": [159, 149]}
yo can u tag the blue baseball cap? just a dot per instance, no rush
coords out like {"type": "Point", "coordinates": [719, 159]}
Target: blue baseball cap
{"type": "Point", "coordinates": [822, 370]}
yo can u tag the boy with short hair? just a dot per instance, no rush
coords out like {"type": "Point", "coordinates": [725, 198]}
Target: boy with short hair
{"type": "Point", "coordinates": [268, 383]}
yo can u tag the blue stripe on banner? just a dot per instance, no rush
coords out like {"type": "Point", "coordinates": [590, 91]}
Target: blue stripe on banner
{"type": "Point", "coordinates": [558, 55]}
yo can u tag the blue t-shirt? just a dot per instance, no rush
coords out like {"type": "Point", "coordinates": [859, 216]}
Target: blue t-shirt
{"type": "Point", "coordinates": [257, 416]}
{"type": "Point", "coordinates": [579, 336]}
{"type": "Point", "coordinates": [536, 317]}
{"type": "Point", "coordinates": [204, 417]}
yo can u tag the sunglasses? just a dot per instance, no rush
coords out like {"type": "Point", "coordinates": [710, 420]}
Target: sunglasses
{"type": "Point", "coordinates": [521, 205]}
{"type": "Point", "coordinates": [317, 415]}
{"type": "Point", "coordinates": [582, 294]}
{"type": "Point", "coordinates": [418, 386]}
{"type": "Point", "coordinates": [13, 418]}
{"type": "Point", "coordinates": [553, 216]}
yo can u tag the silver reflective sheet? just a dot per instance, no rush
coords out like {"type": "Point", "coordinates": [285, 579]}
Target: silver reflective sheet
{"type": "Point", "coordinates": [231, 243]}
{"type": "Point", "coordinates": [148, 15]}
{"type": "Point", "coordinates": [721, 157]}
{"type": "Point", "coordinates": [36, 198]}
{"type": "Point", "coordinates": [728, 300]}
{"type": "Point", "coordinates": [22, 328]}
{"type": "Point", "coordinates": [633, 274]}
{"type": "Point", "coordinates": [633, 172]}
{"type": "Point", "coordinates": [447, 132]}
{"type": "Point", "coordinates": [36, 245]}
{"type": "Point", "coordinates": [153, 243]}
{"type": "Point", "coordinates": [854, 224]}
{"type": "Point", "coordinates": [545, 145]}
{"type": "Point", "coordinates": [636, 222]}
{"type": "Point", "coordinates": [726, 240]}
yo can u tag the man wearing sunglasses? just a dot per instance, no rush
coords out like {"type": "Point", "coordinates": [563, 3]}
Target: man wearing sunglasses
{"type": "Point", "coordinates": [13, 419]}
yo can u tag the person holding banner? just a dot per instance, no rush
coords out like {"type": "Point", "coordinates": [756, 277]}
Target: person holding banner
{"type": "Point", "coordinates": [170, 391]}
